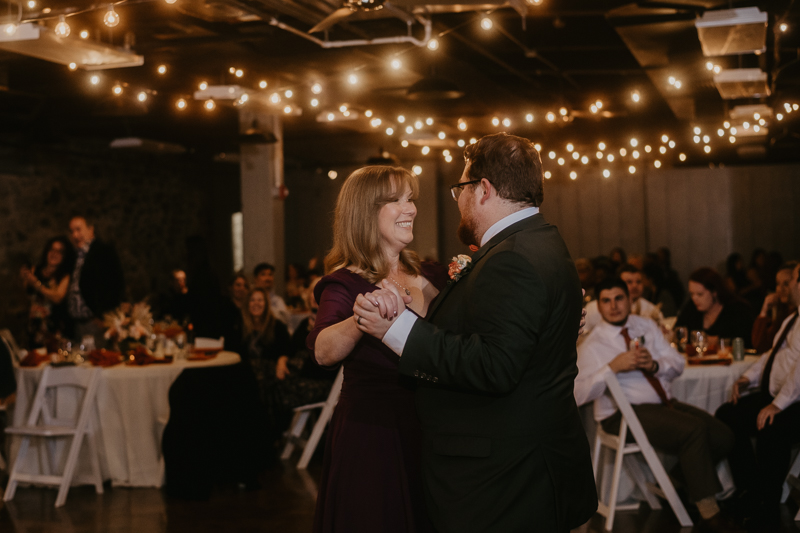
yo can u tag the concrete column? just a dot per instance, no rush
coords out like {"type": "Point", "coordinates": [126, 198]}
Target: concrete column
{"type": "Point", "coordinates": [262, 188]}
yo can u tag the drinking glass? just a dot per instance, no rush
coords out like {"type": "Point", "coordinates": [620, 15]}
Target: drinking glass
{"type": "Point", "coordinates": [681, 336]}
{"type": "Point", "coordinates": [700, 341]}
{"type": "Point", "coordinates": [725, 346]}
{"type": "Point", "coordinates": [87, 344]}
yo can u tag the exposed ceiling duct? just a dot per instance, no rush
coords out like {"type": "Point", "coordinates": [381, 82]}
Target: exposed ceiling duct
{"type": "Point", "coordinates": [732, 31]}
{"type": "Point", "coordinates": [42, 43]}
{"type": "Point", "coordinates": [742, 83]}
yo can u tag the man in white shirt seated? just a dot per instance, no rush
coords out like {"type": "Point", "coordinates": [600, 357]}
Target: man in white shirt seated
{"type": "Point", "coordinates": [264, 277]}
{"type": "Point", "coordinates": [632, 277]}
{"type": "Point", "coordinates": [771, 415]}
{"type": "Point", "coordinates": [634, 348]}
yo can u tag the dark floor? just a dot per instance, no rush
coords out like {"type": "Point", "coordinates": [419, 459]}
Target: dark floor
{"type": "Point", "coordinates": [285, 504]}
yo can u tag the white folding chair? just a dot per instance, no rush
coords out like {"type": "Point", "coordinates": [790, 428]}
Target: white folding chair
{"type": "Point", "coordinates": [792, 480]}
{"type": "Point", "coordinates": [12, 345]}
{"type": "Point", "coordinates": [52, 428]}
{"type": "Point", "coordinates": [301, 416]}
{"type": "Point", "coordinates": [624, 451]}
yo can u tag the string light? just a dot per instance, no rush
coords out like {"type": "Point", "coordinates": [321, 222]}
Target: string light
{"type": "Point", "coordinates": [418, 124]}
{"type": "Point", "coordinates": [404, 144]}
{"type": "Point", "coordinates": [623, 152]}
{"type": "Point", "coordinates": [647, 148]}
{"type": "Point", "coordinates": [401, 119]}
{"type": "Point", "coordinates": [550, 117]}
{"type": "Point", "coordinates": [696, 139]}
{"type": "Point", "coordinates": [561, 161]}
{"type": "Point", "coordinates": [634, 142]}
{"type": "Point", "coordinates": [632, 169]}
{"type": "Point", "coordinates": [416, 169]}
{"type": "Point", "coordinates": [352, 79]}
{"type": "Point", "coordinates": [657, 163]}
{"type": "Point", "coordinates": [576, 156]}
{"type": "Point", "coordinates": [409, 130]}
{"type": "Point", "coordinates": [563, 111]}
{"type": "Point", "coordinates": [732, 139]}
{"type": "Point", "coordinates": [181, 104]}
{"type": "Point", "coordinates": [117, 89]}
{"type": "Point", "coordinates": [495, 121]}
{"type": "Point", "coordinates": [396, 64]}
{"type": "Point", "coordinates": [486, 23]}
{"type": "Point", "coordinates": [706, 139]}
{"type": "Point", "coordinates": [548, 175]}
{"type": "Point", "coordinates": [426, 150]}
{"type": "Point", "coordinates": [599, 104]}
{"type": "Point", "coordinates": [461, 143]}
{"type": "Point", "coordinates": [332, 174]}
{"type": "Point", "coordinates": [720, 132]}
{"type": "Point", "coordinates": [506, 122]}
{"type": "Point", "coordinates": [635, 154]}
{"type": "Point", "coordinates": [31, 4]}
{"type": "Point", "coordinates": [375, 122]}
{"type": "Point", "coordinates": [601, 146]}
{"type": "Point", "coordinates": [84, 34]}
{"type": "Point", "coordinates": [203, 86]}
{"type": "Point", "coordinates": [599, 155]}
{"type": "Point", "coordinates": [570, 147]}
{"type": "Point", "coordinates": [441, 135]}
{"type": "Point", "coordinates": [111, 18]}
{"type": "Point", "coordinates": [142, 96]}
{"type": "Point", "coordinates": [726, 124]}
{"type": "Point", "coordinates": [593, 108]}
{"type": "Point", "coordinates": [262, 84]}
{"type": "Point", "coordinates": [162, 69]}
{"type": "Point", "coordinates": [289, 93]}
{"type": "Point", "coordinates": [389, 131]}
{"type": "Point", "coordinates": [239, 73]}
{"type": "Point", "coordinates": [73, 66]}
{"type": "Point", "coordinates": [784, 27]}
{"type": "Point", "coordinates": [779, 116]}
{"type": "Point", "coordinates": [573, 175]}
{"type": "Point", "coordinates": [316, 88]}
{"type": "Point", "coordinates": [606, 173]}
{"type": "Point", "coordinates": [429, 121]}
{"type": "Point", "coordinates": [462, 125]}
{"type": "Point", "coordinates": [662, 149]}
{"type": "Point", "coordinates": [275, 98]}
{"type": "Point", "coordinates": [672, 144]}
{"type": "Point", "coordinates": [682, 157]}
{"type": "Point", "coordinates": [551, 154]}
{"type": "Point", "coordinates": [707, 149]}
{"type": "Point", "coordinates": [209, 105]}
{"type": "Point", "coordinates": [287, 109]}
{"type": "Point", "coordinates": [585, 160]}
{"type": "Point", "coordinates": [635, 96]}
{"type": "Point", "coordinates": [433, 44]}
{"type": "Point", "coordinates": [610, 158]}
{"type": "Point", "coordinates": [314, 102]}
{"type": "Point", "coordinates": [94, 80]}
{"type": "Point", "coordinates": [368, 113]}
{"type": "Point", "coordinates": [330, 117]}
{"type": "Point", "coordinates": [62, 28]}
{"type": "Point", "coordinates": [170, 2]}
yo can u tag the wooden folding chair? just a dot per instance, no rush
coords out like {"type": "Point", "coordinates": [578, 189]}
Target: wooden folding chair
{"type": "Point", "coordinates": [792, 480]}
{"type": "Point", "coordinates": [624, 451]}
{"type": "Point", "coordinates": [52, 428]}
{"type": "Point", "coordinates": [301, 415]}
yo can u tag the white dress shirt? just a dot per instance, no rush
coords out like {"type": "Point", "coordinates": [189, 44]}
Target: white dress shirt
{"type": "Point", "coordinates": [642, 307]}
{"type": "Point", "coordinates": [397, 335]}
{"type": "Point", "coordinates": [605, 343]}
{"type": "Point", "coordinates": [784, 378]}
{"type": "Point", "coordinates": [278, 307]}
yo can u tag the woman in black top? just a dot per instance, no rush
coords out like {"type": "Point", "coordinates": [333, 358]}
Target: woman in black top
{"type": "Point", "coordinates": [715, 309]}
{"type": "Point", "coordinates": [47, 285]}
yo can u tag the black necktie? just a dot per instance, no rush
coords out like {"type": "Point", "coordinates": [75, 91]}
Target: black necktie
{"type": "Point", "coordinates": [771, 360]}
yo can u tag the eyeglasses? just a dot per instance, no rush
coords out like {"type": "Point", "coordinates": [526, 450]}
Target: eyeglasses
{"type": "Point", "coordinates": [456, 189]}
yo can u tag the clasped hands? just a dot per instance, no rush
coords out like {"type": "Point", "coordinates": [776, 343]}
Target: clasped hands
{"type": "Point", "coordinates": [375, 312]}
{"type": "Point", "coordinates": [634, 359]}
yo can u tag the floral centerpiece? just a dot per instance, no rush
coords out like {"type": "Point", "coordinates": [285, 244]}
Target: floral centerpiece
{"type": "Point", "coordinates": [129, 325]}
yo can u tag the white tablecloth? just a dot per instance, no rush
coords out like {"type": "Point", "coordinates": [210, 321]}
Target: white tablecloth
{"type": "Point", "coordinates": [132, 409]}
{"type": "Point", "coordinates": [704, 386]}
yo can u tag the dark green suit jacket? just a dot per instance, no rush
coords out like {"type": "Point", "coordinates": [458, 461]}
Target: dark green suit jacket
{"type": "Point", "coordinates": [504, 449]}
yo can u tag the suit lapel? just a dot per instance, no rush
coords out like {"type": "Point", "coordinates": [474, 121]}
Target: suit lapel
{"type": "Point", "coordinates": [526, 223]}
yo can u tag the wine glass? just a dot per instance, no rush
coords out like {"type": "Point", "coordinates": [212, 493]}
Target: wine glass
{"type": "Point", "coordinates": [700, 341]}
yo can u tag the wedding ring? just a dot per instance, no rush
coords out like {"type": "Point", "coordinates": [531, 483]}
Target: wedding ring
{"type": "Point", "coordinates": [358, 321]}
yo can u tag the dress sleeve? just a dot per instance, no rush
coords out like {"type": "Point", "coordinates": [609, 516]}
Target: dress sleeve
{"type": "Point", "coordinates": [335, 305]}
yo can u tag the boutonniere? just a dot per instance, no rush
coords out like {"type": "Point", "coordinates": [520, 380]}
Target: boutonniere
{"type": "Point", "coordinates": [460, 265]}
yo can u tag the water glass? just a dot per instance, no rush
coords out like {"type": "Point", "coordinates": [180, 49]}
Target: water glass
{"type": "Point", "coordinates": [725, 346]}
{"type": "Point", "coordinates": [87, 344]}
{"type": "Point", "coordinates": [700, 342]}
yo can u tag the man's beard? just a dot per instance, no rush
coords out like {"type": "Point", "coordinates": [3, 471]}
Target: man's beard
{"type": "Point", "coordinates": [466, 232]}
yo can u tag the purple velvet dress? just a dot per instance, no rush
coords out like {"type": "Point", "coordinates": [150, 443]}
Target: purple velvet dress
{"type": "Point", "coordinates": [371, 478]}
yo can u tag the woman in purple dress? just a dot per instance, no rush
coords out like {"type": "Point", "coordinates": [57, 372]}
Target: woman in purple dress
{"type": "Point", "coordinates": [371, 479]}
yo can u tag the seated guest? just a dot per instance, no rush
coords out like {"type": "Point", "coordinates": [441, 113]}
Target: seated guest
{"type": "Point", "coordinates": [97, 282]}
{"type": "Point", "coordinates": [645, 372]}
{"type": "Point", "coordinates": [672, 282]}
{"type": "Point", "coordinates": [239, 289]}
{"type": "Point", "coordinates": [654, 290]}
{"type": "Point", "coordinates": [175, 302]}
{"type": "Point", "coordinates": [775, 309]}
{"type": "Point", "coordinates": [771, 415]}
{"type": "Point", "coordinates": [714, 309]}
{"type": "Point", "coordinates": [632, 276]}
{"type": "Point", "coordinates": [264, 275]}
{"type": "Point", "coordinates": [47, 284]}
{"type": "Point", "coordinates": [618, 257]}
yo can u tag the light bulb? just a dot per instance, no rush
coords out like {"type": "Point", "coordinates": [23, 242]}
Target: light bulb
{"type": "Point", "coordinates": [401, 119]}
{"type": "Point", "coordinates": [573, 175]}
{"type": "Point", "coordinates": [117, 89]}
{"type": "Point", "coordinates": [599, 104]}
{"type": "Point", "coordinates": [239, 73]}
{"type": "Point", "coordinates": [635, 96]}
{"type": "Point", "coordinates": [672, 144]}
{"type": "Point", "coordinates": [287, 109]}
{"type": "Point", "coordinates": [561, 161]}
{"type": "Point", "coordinates": [262, 84]}
{"type": "Point", "coordinates": [623, 152]}
{"type": "Point", "coordinates": [563, 111]}
{"type": "Point", "coordinates": [180, 104]}
{"type": "Point", "coordinates": [352, 79]}
{"type": "Point", "coordinates": [599, 155]}
{"type": "Point", "coordinates": [442, 135]}
{"type": "Point", "coordinates": [333, 174]}
{"type": "Point", "coordinates": [784, 26]}
{"type": "Point", "coordinates": [316, 88]}
{"type": "Point", "coordinates": [426, 150]}
{"type": "Point", "coordinates": [657, 163]}
{"type": "Point", "coordinates": [662, 149]}
{"type": "Point", "coordinates": [606, 173]}
{"type": "Point", "coordinates": [31, 4]}
{"type": "Point", "coordinates": [162, 69]}
{"type": "Point", "coordinates": [84, 34]}
{"type": "Point", "coordinates": [610, 158]}
{"type": "Point", "coordinates": [203, 86]}
{"type": "Point", "coordinates": [682, 157]}
{"type": "Point", "coordinates": [368, 113]}
{"type": "Point", "coordinates": [601, 146]}
{"type": "Point", "coordinates": [314, 102]}
{"type": "Point", "coordinates": [330, 117]}
{"type": "Point", "coordinates": [111, 18]}
{"type": "Point", "coordinates": [647, 148]}
{"type": "Point", "coordinates": [418, 124]}
{"type": "Point", "coordinates": [550, 117]}
{"type": "Point", "coordinates": [170, 1]}
{"type": "Point", "coordinates": [94, 80]}
{"type": "Point", "coordinates": [416, 169]}
{"type": "Point", "coordinates": [429, 121]}
{"type": "Point", "coordinates": [551, 154]}
{"type": "Point", "coordinates": [404, 144]}
{"type": "Point", "coordinates": [142, 96]}
{"type": "Point", "coordinates": [486, 23]}
{"type": "Point", "coordinates": [375, 122]}
{"type": "Point", "coordinates": [389, 131]}
{"type": "Point", "coordinates": [62, 28]}
{"type": "Point", "coordinates": [707, 149]}
{"type": "Point", "coordinates": [548, 175]}
{"type": "Point", "coordinates": [634, 143]}
{"type": "Point", "coordinates": [462, 125]}
{"type": "Point", "coordinates": [593, 109]}
{"type": "Point", "coordinates": [73, 66]}
{"type": "Point", "coordinates": [396, 64]}
{"type": "Point", "coordinates": [275, 98]}
{"type": "Point", "coordinates": [409, 129]}
{"type": "Point", "coordinates": [495, 121]}
{"type": "Point", "coordinates": [210, 105]}
{"type": "Point", "coordinates": [570, 147]}
{"type": "Point", "coordinates": [529, 117]}
{"type": "Point", "coordinates": [696, 130]}
{"type": "Point", "coordinates": [632, 169]}
{"type": "Point", "coordinates": [289, 93]}
{"type": "Point", "coordinates": [709, 65]}
{"type": "Point", "coordinates": [433, 44]}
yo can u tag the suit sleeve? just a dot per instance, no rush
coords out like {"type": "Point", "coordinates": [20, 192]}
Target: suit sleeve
{"type": "Point", "coordinates": [508, 306]}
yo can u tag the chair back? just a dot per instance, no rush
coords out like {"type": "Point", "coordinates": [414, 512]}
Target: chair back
{"type": "Point", "coordinates": [13, 348]}
{"type": "Point", "coordinates": [625, 408]}
{"type": "Point", "coordinates": [53, 378]}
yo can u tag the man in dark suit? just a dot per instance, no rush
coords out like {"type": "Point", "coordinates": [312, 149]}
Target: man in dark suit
{"type": "Point", "coordinates": [504, 449]}
{"type": "Point", "coordinates": [97, 282]}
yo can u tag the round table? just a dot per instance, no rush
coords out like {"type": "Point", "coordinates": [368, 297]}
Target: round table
{"type": "Point", "coordinates": [132, 409]}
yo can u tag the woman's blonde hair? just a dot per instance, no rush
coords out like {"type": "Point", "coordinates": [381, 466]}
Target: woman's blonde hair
{"type": "Point", "coordinates": [264, 324]}
{"type": "Point", "coordinates": [356, 232]}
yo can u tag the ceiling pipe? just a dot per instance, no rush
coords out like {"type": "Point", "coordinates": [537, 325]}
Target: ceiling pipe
{"type": "Point", "coordinates": [359, 42]}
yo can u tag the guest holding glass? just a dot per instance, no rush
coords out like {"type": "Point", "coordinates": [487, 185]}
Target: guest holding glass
{"type": "Point", "coordinates": [47, 283]}
{"type": "Point", "coordinates": [714, 309]}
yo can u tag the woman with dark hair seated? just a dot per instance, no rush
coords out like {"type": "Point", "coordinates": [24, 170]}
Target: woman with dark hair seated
{"type": "Point", "coordinates": [715, 309]}
{"type": "Point", "coordinates": [47, 283]}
